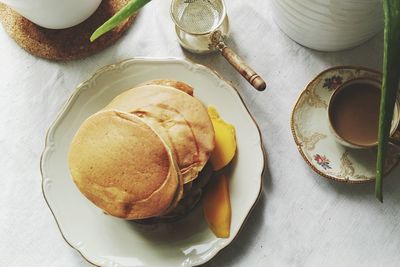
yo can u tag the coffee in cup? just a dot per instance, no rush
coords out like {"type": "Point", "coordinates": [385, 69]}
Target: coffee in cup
{"type": "Point", "coordinates": [353, 113]}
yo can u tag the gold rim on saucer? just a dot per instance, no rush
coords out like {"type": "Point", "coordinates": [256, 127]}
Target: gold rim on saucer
{"type": "Point", "coordinates": [316, 143]}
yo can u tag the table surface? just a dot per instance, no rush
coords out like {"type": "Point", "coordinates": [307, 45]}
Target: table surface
{"type": "Point", "coordinates": [301, 218]}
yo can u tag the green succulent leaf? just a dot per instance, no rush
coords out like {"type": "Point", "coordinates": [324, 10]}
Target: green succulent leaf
{"type": "Point", "coordinates": [131, 8]}
{"type": "Point", "coordinates": [391, 74]}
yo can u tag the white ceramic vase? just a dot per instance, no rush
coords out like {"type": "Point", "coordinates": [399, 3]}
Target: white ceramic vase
{"type": "Point", "coordinates": [54, 14]}
{"type": "Point", "coordinates": [329, 25]}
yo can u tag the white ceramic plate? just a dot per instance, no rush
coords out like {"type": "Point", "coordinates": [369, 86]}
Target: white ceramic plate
{"type": "Point", "coordinates": [107, 241]}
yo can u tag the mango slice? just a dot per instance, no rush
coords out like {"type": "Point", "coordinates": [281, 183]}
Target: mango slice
{"type": "Point", "coordinates": [225, 140]}
{"type": "Point", "coordinates": [217, 206]}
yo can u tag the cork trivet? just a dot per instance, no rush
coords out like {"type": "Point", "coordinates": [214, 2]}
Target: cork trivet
{"type": "Point", "coordinates": [64, 44]}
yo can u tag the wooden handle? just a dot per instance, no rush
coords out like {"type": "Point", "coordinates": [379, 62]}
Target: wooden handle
{"type": "Point", "coordinates": [248, 73]}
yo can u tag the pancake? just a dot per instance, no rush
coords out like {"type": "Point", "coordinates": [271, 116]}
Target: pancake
{"type": "Point", "coordinates": [180, 119]}
{"type": "Point", "coordinates": [193, 192]}
{"type": "Point", "coordinates": [123, 166]}
{"type": "Point", "coordinates": [184, 87]}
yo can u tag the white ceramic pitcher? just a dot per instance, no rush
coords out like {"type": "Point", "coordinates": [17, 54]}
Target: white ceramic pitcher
{"type": "Point", "coordinates": [329, 25]}
{"type": "Point", "coordinates": [54, 14]}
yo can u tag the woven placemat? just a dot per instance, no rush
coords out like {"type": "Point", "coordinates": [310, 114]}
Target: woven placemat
{"type": "Point", "coordinates": [65, 44]}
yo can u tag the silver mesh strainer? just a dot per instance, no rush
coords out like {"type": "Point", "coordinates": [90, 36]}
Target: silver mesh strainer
{"type": "Point", "coordinates": [198, 16]}
{"type": "Point", "coordinates": [202, 26]}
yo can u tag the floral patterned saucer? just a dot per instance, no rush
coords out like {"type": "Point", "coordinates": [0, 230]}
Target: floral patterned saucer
{"type": "Point", "coordinates": [316, 143]}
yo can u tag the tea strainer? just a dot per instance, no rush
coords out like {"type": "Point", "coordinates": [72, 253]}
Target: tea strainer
{"type": "Point", "coordinates": [202, 27]}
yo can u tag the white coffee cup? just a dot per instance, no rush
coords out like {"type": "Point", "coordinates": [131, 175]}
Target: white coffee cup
{"type": "Point", "coordinates": [54, 14]}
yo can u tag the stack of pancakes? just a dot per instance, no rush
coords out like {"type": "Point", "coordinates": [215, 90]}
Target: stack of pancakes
{"type": "Point", "coordinates": [140, 157]}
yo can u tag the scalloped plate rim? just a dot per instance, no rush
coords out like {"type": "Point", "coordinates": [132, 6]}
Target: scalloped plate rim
{"type": "Point", "coordinates": [74, 96]}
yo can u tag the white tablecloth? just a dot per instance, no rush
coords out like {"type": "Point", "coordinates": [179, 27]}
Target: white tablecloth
{"type": "Point", "coordinates": [301, 219]}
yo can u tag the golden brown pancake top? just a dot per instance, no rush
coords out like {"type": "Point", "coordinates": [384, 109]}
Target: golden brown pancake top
{"type": "Point", "coordinates": [122, 165]}
{"type": "Point", "coordinates": [179, 118]}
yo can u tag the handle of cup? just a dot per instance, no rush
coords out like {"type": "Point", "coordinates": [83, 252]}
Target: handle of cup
{"type": "Point", "coordinates": [248, 73]}
{"type": "Point", "coordinates": [394, 139]}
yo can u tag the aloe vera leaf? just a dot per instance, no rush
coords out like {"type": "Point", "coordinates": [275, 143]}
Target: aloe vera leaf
{"type": "Point", "coordinates": [391, 74]}
{"type": "Point", "coordinates": [120, 16]}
